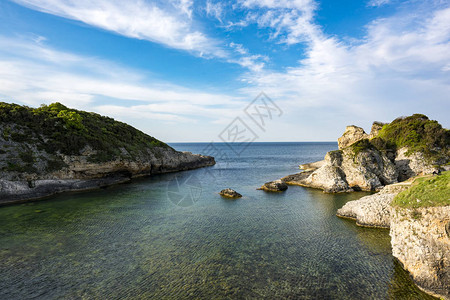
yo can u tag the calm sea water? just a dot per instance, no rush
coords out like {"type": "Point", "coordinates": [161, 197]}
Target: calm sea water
{"type": "Point", "coordinates": [172, 236]}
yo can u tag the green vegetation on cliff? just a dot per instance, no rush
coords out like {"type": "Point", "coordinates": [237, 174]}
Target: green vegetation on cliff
{"type": "Point", "coordinates": [426, 192]}
{"type": "Point", "coordinates": [362, 145]}
{"type": "Point", "coordinates": [418, 134]}
{"type": "Point", "coordinates": [54, 130]}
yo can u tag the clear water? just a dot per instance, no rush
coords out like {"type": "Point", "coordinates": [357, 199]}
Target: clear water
{"type": "Point", "coordinates": [172, 236]}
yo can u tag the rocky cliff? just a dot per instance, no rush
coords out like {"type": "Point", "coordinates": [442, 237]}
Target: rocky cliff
{"type": "Point", "coordinates": [391, 153]}
{"type": "Point", "coordinates": [418, 215]}
{"type": "Point", "coordinates": [53, 149]}
{"type": "Point", "coordinates": [420, 240]}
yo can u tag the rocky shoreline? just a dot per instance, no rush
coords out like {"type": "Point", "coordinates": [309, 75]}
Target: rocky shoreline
{"type": "Point", "coordinates": [53, 148]}
{"type": "Point", "coordinates": [360, 168]}
{"type": "Point", "coordinates": [420, 237]}
{"type": "Point", "coordinates": [80, 174]}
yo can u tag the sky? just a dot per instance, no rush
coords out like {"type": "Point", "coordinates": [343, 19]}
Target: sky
{"type": "Point", "coordinates": [188, 70]}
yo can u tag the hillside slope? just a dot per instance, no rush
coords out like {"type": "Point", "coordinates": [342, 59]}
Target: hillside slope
{"type": "Point", "coordinates": [54, 148]}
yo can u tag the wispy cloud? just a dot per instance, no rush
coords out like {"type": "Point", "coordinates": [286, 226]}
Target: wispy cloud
{"type": "Point", "coordinates": [34, 73]}
{"type": "Point", "coordinates": [169, 24]}
{"type": "Point", "coordinates": [376, 3]}
{"type": "Point", "coordinates": [215, 9]}
{"type": "Point", "coordinates": [290, 22]}
{"type": "Point", "coordinates": [398, 68]}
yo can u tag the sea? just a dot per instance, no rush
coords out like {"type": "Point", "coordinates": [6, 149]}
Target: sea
{"type": "Point", "coordinates": [172, 236]}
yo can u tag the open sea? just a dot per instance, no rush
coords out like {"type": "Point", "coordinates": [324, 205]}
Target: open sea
{"type": "Point", "coordinates": [172, 236]}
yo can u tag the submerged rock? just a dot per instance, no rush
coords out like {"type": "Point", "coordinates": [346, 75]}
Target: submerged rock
{"type": "Point", "coordinates": [229, 193]}
{"type": "Point", "coordinates": [274, 186]}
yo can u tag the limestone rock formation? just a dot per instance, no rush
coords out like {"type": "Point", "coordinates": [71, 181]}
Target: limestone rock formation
{"type": "Point", "coordinates": [419, 228]}
{"type": "Point", "coordinates": [410, 165]}
{"type": "Point", "coordinates": [351, 135]}
{"type": "Point", "coordinates": [393, 152]}
{"type": "Point", "coordinates": [373, 210]}
{"type": "Point", "coordinates": [274, 186]}
{"type": "Point", "coordinates": [375, 130]}
{"type": "Point", "coordinates": [229, 193]}
{"type": "Point", "coordinates": [421, 243]}
{"type": "Point", "coordinates": [344, 171]}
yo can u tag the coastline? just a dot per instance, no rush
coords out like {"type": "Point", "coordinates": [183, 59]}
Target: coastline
{"type": "Point", "coordinates": [21, 191]}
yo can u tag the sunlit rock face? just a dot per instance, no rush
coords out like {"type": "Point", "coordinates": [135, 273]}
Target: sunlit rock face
{"type": "Point", "coordinates": [421, 242]}
{"type": "Point", "coordinates": [351, 135]}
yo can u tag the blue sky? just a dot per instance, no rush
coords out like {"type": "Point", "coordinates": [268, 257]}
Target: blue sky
{"type": "Point", "coordinates": [182, 70]}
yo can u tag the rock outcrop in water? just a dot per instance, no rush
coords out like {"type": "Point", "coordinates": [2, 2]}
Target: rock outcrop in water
{"type": "Point", "coordinates": [230, 193]}
{"type": "Point", "coordinates": [274, 186]}
{"type": "Point", "coordinates": [391, 153]}
{"type": "Point", "coordinates": [53, 149]}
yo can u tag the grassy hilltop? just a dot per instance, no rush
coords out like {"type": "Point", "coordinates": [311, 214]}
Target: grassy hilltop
{"type": "Point", "coordinates": [416, 132]}
{"type": "Point", "coordinates": [28, 135]}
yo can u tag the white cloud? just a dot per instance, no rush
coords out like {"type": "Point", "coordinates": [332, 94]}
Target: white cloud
{"type": "Point", "coordinates": [397, 69]}
{"type": "Point", "coordinates": [33, 73]}
{"type": "Point", "coordinates": [215, 10]}
{"type": "Point", "coordinates": [304, 5]}
{"type": "Point", "coordinates": [291, 22]}
{"type": "Point", "coordinates": [377, 3]}
{"type": "Point", "coordinates": [170, 25]}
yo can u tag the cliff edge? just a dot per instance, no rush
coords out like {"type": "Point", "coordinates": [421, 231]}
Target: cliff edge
{"type": "Point", "coordinates": [53, 148]}
{"type": "Point", "coordinates": [391, 153]}
{"type": "Point", "coordinates": [418, 215]}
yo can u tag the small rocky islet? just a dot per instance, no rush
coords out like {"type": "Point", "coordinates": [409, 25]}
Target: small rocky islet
{"type": "Point", "coordinates": [274, 186]}
{"type": "Point", "coordinates": [230, 193]}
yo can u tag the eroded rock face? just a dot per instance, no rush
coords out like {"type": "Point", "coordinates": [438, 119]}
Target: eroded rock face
{"type": "Point", "coordinates": [376, 127]}
{"type": "Point", "coordinates": [373, 210]}
{"type": "Point", "coordinates": [420, 242]}
{"type": "Point", "coordinates": [410, 165]}
{"type": "Point", "coordinates": [274, 186]}
{"type": "Point", "coordinates": [229, 193]}
{"type": "Point", "coordinates": [369, 170]}
{"type": "Point", "coordinates": [343, 171]}
{"type": "Point", "coordinates": [351, 135]}
{"type": "Point", "coordinates": [80, 173]}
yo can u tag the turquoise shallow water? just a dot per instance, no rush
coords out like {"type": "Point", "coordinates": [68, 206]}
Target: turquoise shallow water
{"type": "Point", "coordinates": [172, 236]}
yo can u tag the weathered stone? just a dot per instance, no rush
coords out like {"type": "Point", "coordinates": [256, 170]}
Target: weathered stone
{"type": "Point", "coordinates": [274, 186]}
{"type": "Point", "coordinates": [420, 237]}
{"type": "Point", "coordinates": [80, 173]}
{"type": "Point", "coordinates": [229, 193]}
{"type": "Point", "coordinates": [420, 242]}
{"type": "Point", "coordinates": [376, 127]}
{"type": "Point", "coordinates": [373, 210]}
{"type": "Point", "coordinates": [413, 164]}
{"type": "Point", "coordinates": [343, 171]}
{"type": "Point", "coordinates": [351, 135]}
